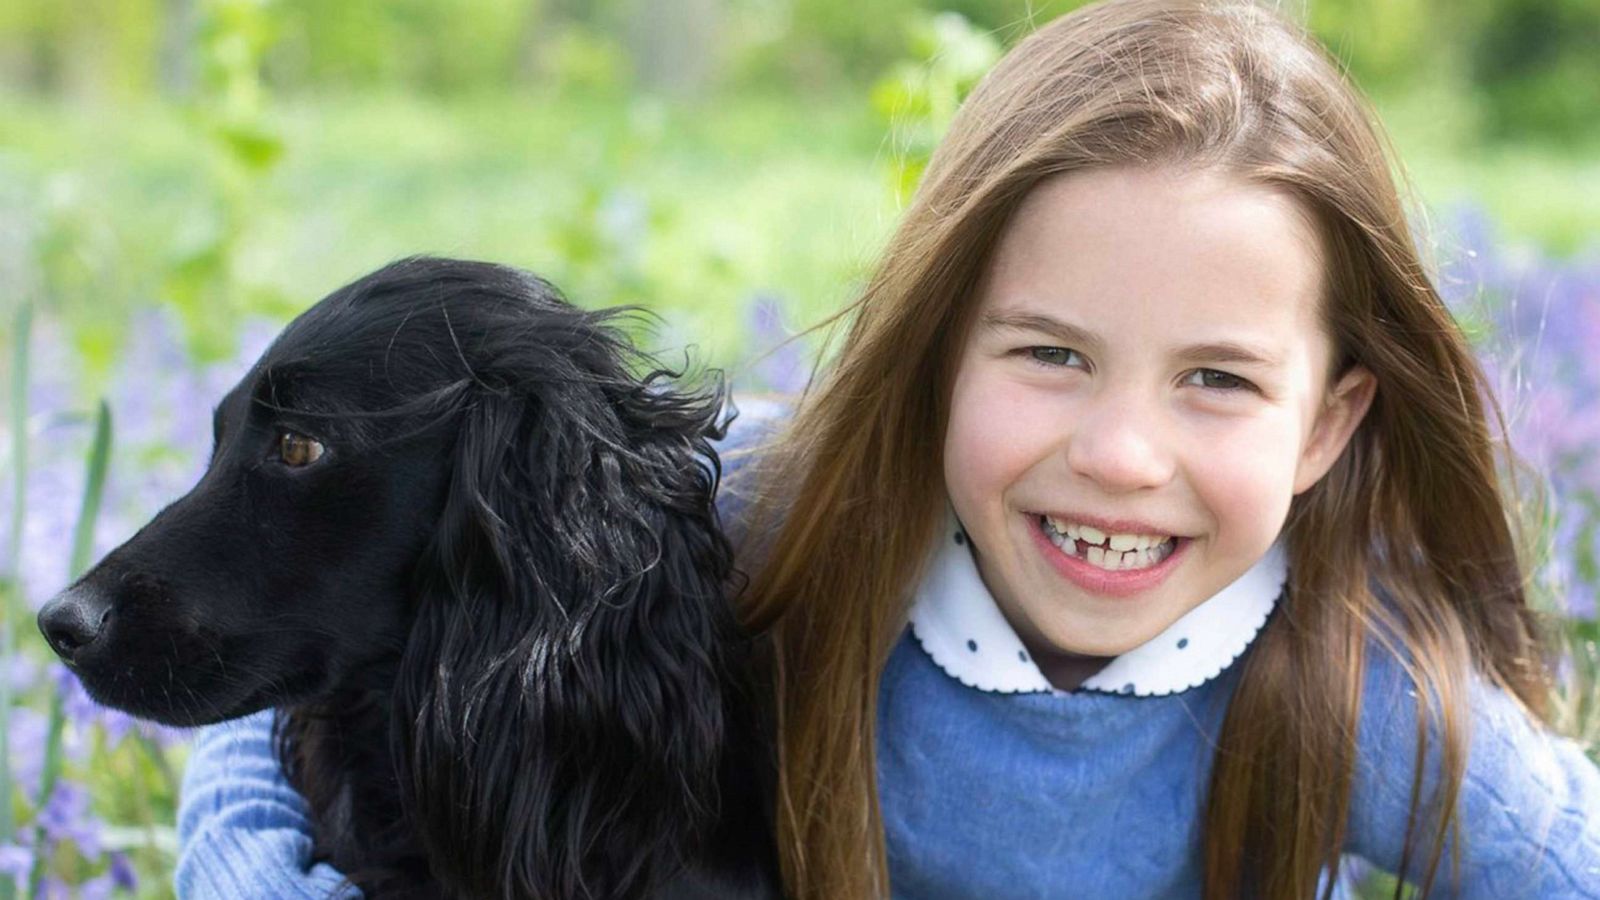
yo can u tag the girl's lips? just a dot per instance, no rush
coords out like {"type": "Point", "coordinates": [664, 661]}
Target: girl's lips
{"type": "Point", "coordinates": [1100, 581]}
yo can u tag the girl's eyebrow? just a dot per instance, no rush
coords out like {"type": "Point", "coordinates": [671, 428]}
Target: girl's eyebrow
{"type": "Point", "coordinates": [1072, 335]}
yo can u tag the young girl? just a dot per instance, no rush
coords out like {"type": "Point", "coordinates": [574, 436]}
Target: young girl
{"type": "Point", "coordinates": [1143, 539]}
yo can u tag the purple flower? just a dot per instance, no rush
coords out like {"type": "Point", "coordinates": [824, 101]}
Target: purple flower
{"type": "Point", "coordinates": [162, 735]}
{"type": "Point", "coordinates": [121, 872]}
{"type": "Point", "coordinates": [53, 494]}
{"type": "Point", "coordinates": [1543, 352]}
{"type": "Point", "coordinates": [16, 861]}
{"type": "Point", "coordinates": [78, 708]}
{"type": "Point", "coordinates": [779, 363]}
{"type": "Point", "coordinates": [28, 731]}
{"type": "Point", "coordinates": [50, 362]}
{"type": "Point", "coordinates": [82, 710]}
{"type": "Point", "coordinates": [75, 701]}
{"type": "Point", "coordinates": [97, 888]}
{"type": "Point", "coordinates": [21, 671]}
{"type": "Point", "coordinates": [66, 816]}
{"type": "Point", "coordinates": [114, 723]}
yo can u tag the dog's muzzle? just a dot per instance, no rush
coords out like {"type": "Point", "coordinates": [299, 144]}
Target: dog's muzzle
{"type": "Point", "coordinates": [76, 622]}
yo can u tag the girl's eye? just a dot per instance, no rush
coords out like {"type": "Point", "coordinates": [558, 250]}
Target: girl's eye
{"type": "Point", "coordinates": [1052, 357]}
{"type": "Point", "coordinates": [1221, 381]}
{"type": "Point", "coordinates": [297, 450]}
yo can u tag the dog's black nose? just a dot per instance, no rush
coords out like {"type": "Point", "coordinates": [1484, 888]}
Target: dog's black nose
{"type": "Point", "coordinates": [74, 620]}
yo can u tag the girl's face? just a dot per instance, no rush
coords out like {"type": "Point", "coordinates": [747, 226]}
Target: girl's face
{"type": "Point", "coordinates": [1146, 359]}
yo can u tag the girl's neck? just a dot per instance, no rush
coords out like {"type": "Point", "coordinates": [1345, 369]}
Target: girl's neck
{"type": "Point", "coordinates": [1065, 671]}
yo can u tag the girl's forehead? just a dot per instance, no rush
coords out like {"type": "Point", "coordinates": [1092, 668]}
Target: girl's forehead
{"type": "Point", "coordinates": [1173, 249]}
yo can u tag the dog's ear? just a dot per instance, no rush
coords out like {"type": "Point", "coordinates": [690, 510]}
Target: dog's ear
{"type": "Point", "coordinates": [561, 703]}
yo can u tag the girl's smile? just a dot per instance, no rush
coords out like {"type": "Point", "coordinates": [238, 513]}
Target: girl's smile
{"type": "Point", "coordinates": [1143, 391]}
{"type": "Point", "coordinates": [1100, 564]}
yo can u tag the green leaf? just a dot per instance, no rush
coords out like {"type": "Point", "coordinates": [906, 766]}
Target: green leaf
{"type": "Point", "coordinates": [251, 145]}
{"type": "Point", "coordinates": [99, 461]}
{"type": "Point", "coordinates": [82, 547]}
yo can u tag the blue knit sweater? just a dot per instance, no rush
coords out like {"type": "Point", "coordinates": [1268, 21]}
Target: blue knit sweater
{"type": "Point", "coordinates": [1017, 793]}
{"type": "Point", "coordinates": [1092, 794]}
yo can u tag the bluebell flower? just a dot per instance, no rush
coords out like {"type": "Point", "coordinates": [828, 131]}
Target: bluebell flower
{"type": "Point", "coordinates": [121, 872]}
{"type": "Point", "coordinates": [16, 861]}
{"type": "Point", "coordinates": [66, 816]}
{"type": "Point", "coordinates": [780, 364]}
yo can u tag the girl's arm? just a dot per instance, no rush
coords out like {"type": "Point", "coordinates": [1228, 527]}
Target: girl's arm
{"type": "Point", "coordinates": [242, 830]}
{"type": "Point", "coordinates": [1529, 807]}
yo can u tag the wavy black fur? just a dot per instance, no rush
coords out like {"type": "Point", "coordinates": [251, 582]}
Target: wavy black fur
{"type": "Point", "coordinates": [492, 612]}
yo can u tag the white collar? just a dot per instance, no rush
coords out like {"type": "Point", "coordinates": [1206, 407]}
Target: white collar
{"type": "Point", "coordinates": [958, 624]}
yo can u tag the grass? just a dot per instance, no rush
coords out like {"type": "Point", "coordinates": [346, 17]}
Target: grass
{"type": "Point", "coordinates": [762, 196]}
{"type": "Point", "coordinates": [689, 208]}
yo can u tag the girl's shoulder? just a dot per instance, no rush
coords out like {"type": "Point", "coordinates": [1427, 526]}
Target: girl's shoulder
{"type": "Point", "coordinates": [751, 420]}
{"type": "Point", "coordinates": [1529, 803]}
{"type": "Point", "coordinates": [756, 420]}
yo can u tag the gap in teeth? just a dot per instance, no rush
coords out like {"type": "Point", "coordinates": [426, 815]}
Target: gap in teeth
{"type": "Point", "coordinates": [1136, 551]}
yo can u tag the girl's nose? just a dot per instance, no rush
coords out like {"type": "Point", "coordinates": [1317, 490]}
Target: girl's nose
{"type": "Point", "coordinates": [1121, 450]}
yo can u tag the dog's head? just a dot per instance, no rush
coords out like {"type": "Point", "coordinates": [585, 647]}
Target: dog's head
{"type": "Point", "coordinates": [437, 436]}
{"type": "Point", "coordinates": [444, 484]}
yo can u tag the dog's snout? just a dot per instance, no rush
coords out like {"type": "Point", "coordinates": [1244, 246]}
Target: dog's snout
{"type": "Point", "coordinates": [75, 620]}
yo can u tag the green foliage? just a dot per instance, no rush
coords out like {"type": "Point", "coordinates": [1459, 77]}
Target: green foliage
{"type": "Point", "coordinates": [230, 109]}
{"type": "Point", "coordinates": [919, 97]}
{"type": "Point", "coordinates": [442, 45]}
{"type": "Point", "coordinates": [22, 330]}
{"type": "Point", "coordinates": [140, 770]}
{"type": "Point", "coordinates": [832, 41]}
{"type": "Point", "coordinates": [82, 544]}
{"type": "Point", "coordinates": [1385, 43]}
{"type": "Point", "coordinates": [259, 193]}
{"type": "Point", "coordinates": [829, 45]}
{"type": "Point", "coordinates": [586, 60]}
{"type": "Point", "coordinates": [1537, 63]}
{"type": "Point", "coordinates": [1531, 64]}
{"type": "Point", "coordinates": [108, 48]}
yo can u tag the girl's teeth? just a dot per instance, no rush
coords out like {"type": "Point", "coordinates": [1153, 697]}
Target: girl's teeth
{"type": "Point", "coordinates": [1110, 552]}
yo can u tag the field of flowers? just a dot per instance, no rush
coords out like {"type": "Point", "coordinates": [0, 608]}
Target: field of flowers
{"type": "Point", "coordinates": [87, 795]}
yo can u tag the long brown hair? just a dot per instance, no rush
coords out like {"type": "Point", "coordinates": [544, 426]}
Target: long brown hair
{"type": "Point", "coordinates": [851, 491]}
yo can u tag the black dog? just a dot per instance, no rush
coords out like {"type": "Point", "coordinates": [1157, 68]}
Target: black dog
{"type": "Point", "coordinates": [474, 560]}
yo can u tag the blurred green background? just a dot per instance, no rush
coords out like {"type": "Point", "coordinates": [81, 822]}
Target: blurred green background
{"type": "Point", "coordinates": [230, 156]}
{"type": "Point", "coordinates": [179, 177]}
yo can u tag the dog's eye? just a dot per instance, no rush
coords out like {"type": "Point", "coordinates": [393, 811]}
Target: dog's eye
{"type": "Point", "coordinates": [298, 450]}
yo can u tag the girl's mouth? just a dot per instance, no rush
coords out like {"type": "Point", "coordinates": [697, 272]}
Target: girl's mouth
{"type": "Point", "coordinates": [1115, 565]}
{"type": "Point", "coordinates": [1113, 553]}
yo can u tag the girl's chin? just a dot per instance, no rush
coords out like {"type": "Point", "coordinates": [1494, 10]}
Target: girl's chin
{"type": "Point", "coordinates": [1066, 633]}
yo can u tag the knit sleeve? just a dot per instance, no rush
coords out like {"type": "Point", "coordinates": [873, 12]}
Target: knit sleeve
{"type": "Point", "coordinates": [1529, 807]}
{"type": "Point", "coordinates": [243, 832]}
{"type": "Point", "coordinates": [759, 420]}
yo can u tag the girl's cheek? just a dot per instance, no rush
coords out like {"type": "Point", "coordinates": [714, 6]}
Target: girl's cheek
{"type": "Point", "coordinates": [1246, 474]}
{"type": "Point", "coordinates": [991, 436]}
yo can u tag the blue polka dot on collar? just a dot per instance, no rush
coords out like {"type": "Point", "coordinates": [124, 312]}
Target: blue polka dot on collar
{"type": "Point", "coordinates": [959, 626]}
